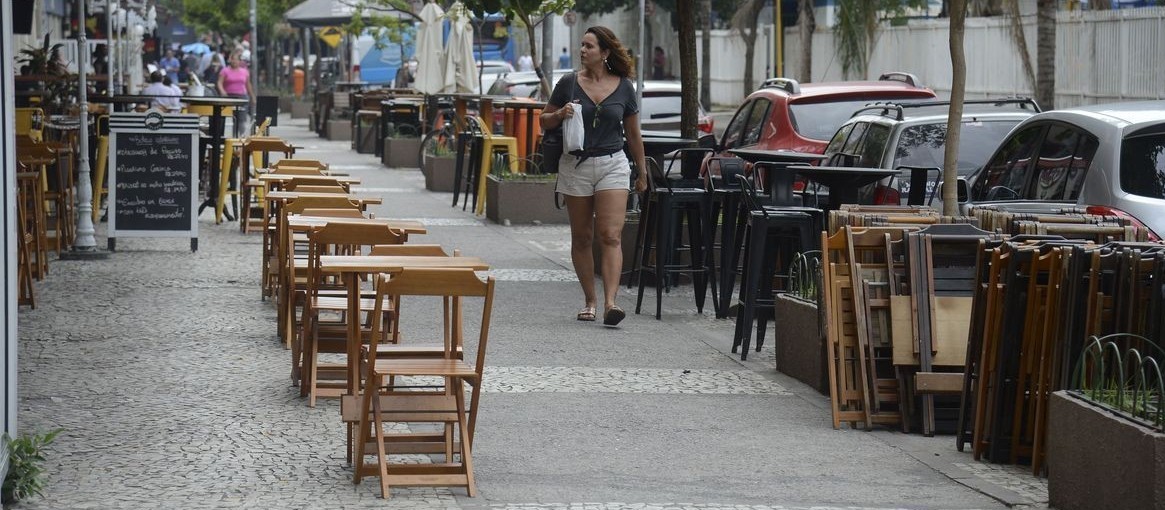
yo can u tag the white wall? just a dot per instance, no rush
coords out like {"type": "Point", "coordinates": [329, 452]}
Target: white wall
{"type": "Point", "coordinates": [1101, 56]}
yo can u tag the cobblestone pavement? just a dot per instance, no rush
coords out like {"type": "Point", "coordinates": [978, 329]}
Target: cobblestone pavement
{"type": "Point", "coordinates": [163, 370]}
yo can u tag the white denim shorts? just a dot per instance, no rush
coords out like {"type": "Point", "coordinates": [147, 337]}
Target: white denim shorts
{"type": "Point", "coordinates": [597, 173]}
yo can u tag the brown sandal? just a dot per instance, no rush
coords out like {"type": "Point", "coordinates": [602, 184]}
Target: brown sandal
{"type": "Point", "coordinates": [586, 314]}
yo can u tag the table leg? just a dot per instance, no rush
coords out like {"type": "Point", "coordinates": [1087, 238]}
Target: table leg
{"type": "Point", "coordinates": [353, 333]}
{"type": "Point", "coordinates": [216, 137]}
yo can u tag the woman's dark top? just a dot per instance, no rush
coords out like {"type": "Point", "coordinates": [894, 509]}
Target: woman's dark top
{"type": "Point", "coordinates": [602, 123]}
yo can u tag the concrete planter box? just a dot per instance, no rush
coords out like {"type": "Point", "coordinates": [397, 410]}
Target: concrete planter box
{"type": "Point", "coordinates": [1099, 460]}
{"type": "Point", "coordinates": [300, 109]}
{"type": "Point", "coordinates": [522, 201]}
{"type": "Point", "coordinates": [340, 129]}
{"type": "Point", "coordinates": [401, 152]}
{"type": "Point", "coordinates": [285, 103]}
{"type": "Point", "coordinates": [439, 173]}
{"type": "Point", "coordinates": [800, 349]}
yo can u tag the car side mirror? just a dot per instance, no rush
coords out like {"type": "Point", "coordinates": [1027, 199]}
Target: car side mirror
{"type": "Point", "coordinates": [962, 190]}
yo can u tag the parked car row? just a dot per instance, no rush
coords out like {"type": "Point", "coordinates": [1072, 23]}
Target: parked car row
{"type": "Point", "coordinates": [1108, 159]}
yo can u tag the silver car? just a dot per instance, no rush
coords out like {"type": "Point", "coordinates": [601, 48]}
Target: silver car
{"type": "Point", "coordinates": [1109, 158]}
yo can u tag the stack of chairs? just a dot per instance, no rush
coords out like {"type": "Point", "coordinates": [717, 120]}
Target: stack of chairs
{"type": "Point", "coordinates": [1036, 301]}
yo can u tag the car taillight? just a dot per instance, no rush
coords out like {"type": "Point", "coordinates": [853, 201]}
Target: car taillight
{"type": "Point", "coordinates": [705, 125]}
{"type": "Point", "coordinates": [885, 195]}
{"type": "Point", "coordinates": [1104, 210]}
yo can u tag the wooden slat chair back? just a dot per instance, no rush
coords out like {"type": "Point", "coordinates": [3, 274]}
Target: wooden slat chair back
{"type": "Point", "coordinates": [297, 163]}
{"type": "Point", "coordinates": [344, 236]}
{"type": "Point", "coordinates": [446, 407]}
{"type": "Point", "coordinates": [314, 180]}
{"type": "Point", "coordinates": [330, 212]}
{"type": "Point", "coordinates": [313, 188]}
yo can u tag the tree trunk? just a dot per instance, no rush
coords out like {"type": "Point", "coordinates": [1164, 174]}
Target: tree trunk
{"type": "Point", "coordinates": [706, 55]}
{"type": "Point", "coordinates": [806, 25]}
{"type": "Point", "coordinates": [689, 102]}
{"type": "Point", "coordinates": [1046, 54]}
{"type": "Point", "coordinates": [955, 116]}
{"type": "Point", "coordinates": [530, 24]}
{"type": "Point", "coordinates": [547, 44]}
{"type": "Point", "coordinates": [749, 33]}
{"type": "Point", "coordinates": [1020, 40]}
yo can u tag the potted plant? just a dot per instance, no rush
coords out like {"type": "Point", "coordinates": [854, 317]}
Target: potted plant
{"type": "Point", "coordinates": [521, 197]}
{"type": "Point", "coordinates": [25, 477]}
{"type": "Point", "coordinates": [401, 147]}
{"type": "Point", "coordinates": [438, 163]}
{"type": "Point", "coordinates": [43, 65]}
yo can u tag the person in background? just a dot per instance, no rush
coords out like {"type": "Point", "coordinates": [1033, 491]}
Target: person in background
{"type": "Point", "coordinates": [164, 97]}
{"type": "Point", "coordinates": [658, 62]}
{"type": "Point", "coordinates": [564, 59]}
{"type": "Point", "coordinates": [404, 78]}
{"type": "Point", "coordinates": [235, 81]}
{"type": "Point", "coordinates": [210, 76]}
{"type": "Point", "coordinates": [595, 180]}
{"type": "Point", "coordinates": [171, 65]}
{"type": "Point", "coordinates": [525, 63]}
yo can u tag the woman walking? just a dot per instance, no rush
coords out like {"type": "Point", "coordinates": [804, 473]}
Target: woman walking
{"type": "Point", "coordinates": [235, 81]}
{"type": "Point", "coordinates": [595, 180]}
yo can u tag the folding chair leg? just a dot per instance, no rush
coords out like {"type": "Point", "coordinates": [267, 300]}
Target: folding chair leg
{"type": "Point", "coordinates": [466, 449]}
{"type": "Point", "coordinates": [362, 435]}
{"type": "Point", "coordinates": [381, 455]}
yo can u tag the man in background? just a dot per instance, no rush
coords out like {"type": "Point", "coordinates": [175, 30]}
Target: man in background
{"type": "Point", "coordinates": [564, 59]}
{"type": "Point", "coordinates": [171, 65]}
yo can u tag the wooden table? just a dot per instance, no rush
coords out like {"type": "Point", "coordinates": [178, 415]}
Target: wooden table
{"type": "Point", "coordinates": [350, 267]}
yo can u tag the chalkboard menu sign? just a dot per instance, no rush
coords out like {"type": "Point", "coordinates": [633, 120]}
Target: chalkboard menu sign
{"type": "Point", "coordinates": [153, 186]}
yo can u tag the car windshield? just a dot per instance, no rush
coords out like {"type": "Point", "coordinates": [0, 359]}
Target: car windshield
{"type": "Point", "coordinates": [923, 145]}
{"type": "Point", "coordinates": [1142, 169]}
{"type": "Point", "coordinates": [819, 121]}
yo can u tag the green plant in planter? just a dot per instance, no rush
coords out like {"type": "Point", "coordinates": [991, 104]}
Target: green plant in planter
{"type": "Point", "coordinates": [25, 473]}
{"type": "Point", "coordinates": [60, 86]}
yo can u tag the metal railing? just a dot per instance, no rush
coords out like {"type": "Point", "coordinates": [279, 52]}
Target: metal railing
{"type": "Point", "coordinates": [1126, 382]}
{"type": "Point", "coordinates": [805, 276]}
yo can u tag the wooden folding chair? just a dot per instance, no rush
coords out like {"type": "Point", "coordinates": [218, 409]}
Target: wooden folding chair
{"type": "Point", "coordinates": [279, 271]}
{"type": "Point", "coordinates": [339, 237]}
{"type": "Point", "coordinates": [255, 151]}
{"type": "Point", "coordinates": [445, 406]}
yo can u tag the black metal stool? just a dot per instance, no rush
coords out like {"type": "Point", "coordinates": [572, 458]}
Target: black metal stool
{"type": "Point", "coordinates": [666, 210]}
{"type": "Point", "coordinates": [772, 234]}
{"type": "Point", "coordinates": [468, 146]}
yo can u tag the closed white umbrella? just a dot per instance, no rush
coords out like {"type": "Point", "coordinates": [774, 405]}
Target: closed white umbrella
{"type": "Point", "coordinates": [460, 73]}
{"type": "Point", "coordinates": [430, 78]}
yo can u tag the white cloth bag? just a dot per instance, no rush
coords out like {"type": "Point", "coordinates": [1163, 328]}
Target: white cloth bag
{"type": "Point", "coordinates": [572, 130]}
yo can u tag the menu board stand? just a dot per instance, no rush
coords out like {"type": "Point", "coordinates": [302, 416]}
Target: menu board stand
{"type": "Point", "coordinates": [153, 183]}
